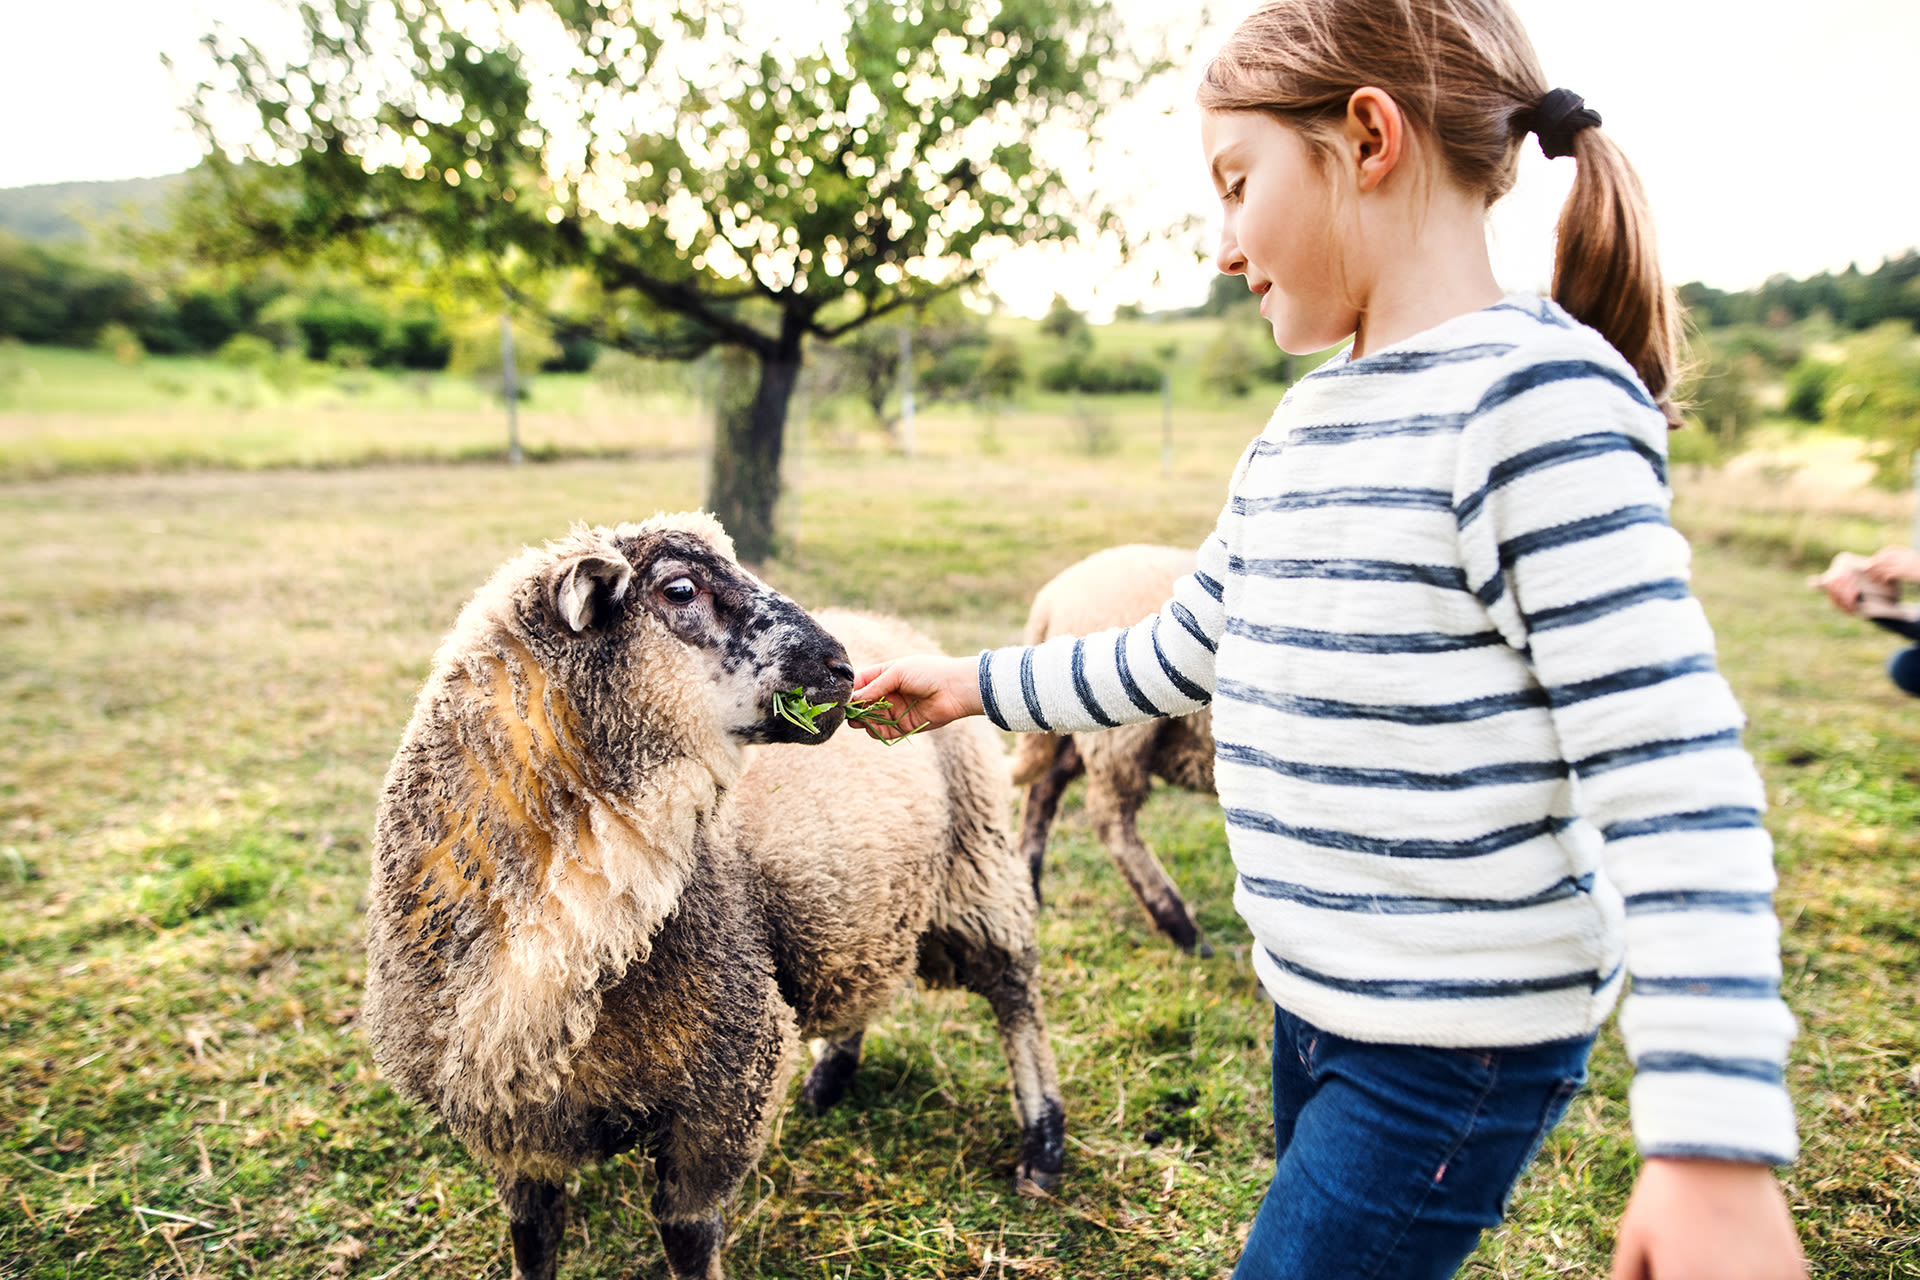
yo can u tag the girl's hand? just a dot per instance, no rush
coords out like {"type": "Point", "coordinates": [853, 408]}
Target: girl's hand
{"type": "Point", "coordinates": [1707, 1220]}
{"type": "Point", "coordinates": [925, 691]}
{"type": "Point", "coordinates": [1894, 565]}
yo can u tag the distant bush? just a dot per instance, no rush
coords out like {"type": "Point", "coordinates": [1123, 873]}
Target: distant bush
{"type": "Point", "coordinates": [1228, 367]}
{"type": "Point", "coordinates": [1100, 375]}
{"type": "Point", "coordinates": [1808, 385]}
{"type": "Point", "coordinates": [247, 351]}
{"type": "Point", "coordinates": [577, 355]}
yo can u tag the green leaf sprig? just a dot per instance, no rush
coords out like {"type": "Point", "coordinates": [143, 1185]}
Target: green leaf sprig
{"type": "Point", "coordinates": [795, 707]}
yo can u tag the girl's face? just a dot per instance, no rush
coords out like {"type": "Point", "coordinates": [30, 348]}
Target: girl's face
{"type": "Point", "coordinates": [1280, 230]}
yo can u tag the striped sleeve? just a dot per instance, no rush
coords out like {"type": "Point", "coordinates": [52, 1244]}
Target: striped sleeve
{"type": "Point", "coordinates": [1160, 666]}
{"type": "Point", "coordinates": [1561, 504]}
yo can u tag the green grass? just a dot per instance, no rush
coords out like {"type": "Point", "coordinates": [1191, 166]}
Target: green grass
{"type": "Point", "coordinates": [202, 675]}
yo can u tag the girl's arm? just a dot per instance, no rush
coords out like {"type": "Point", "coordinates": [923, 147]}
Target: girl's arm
{"type": "Point", "coordinates": [1160, 666]}
{"type": "Point", "coordinates": [1562, 504]}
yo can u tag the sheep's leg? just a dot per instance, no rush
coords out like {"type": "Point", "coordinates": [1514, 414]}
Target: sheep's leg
{"type": "Point", "coordinates": [536, 1217]}
{"type": "Point", "coordinates": [1014, 993]}
{"type": "Point", "coordinates": [1115, 791]}
{"type": "Point", "coordinates": [1042, 802]}
{"type": "Point", "coordinates": [827, 1083]}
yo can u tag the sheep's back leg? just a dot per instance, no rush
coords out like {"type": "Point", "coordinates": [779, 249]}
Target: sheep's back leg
{"type": "Point", "coordinates": [1042, 802]}
{"type": "Point", "coordinates": [1117, 782]}
{"type": "Point", "coordinates": [827, 1083]}
{"type": "Point", "coordinates": [536, 1217]}
{"type": "Point", "coordinates": [1010, 982]}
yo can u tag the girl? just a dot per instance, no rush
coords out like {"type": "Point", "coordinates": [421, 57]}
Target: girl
{"type": "Point", "coordinates": [1476, 763]}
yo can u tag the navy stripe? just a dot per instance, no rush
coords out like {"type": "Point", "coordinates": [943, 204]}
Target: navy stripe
{"type": "Point", "coordinates": [1134, 695]}
{"type": "Point", "coordinates": [1721, 988]}
{"type": "Point", "coordinates": [1492, 775]}
{"type": "Point", "coordinates": [1726, 900]}
{"type": "Point", "coordinates": [1443, 988]}
{"type": "Point", "coordinates": [1351, 842]}
{"type": "Point", "coordinates": [1551, 371]}
{"type": "Point", "coordinates": [1360, 642]}
{"type": "Point", "coordinates": [1210, 586]}
{"type": "Point", "coordinates": [1435, 713]}
{"type": "Point", "coordinates": [1393, 904]}
{"type": "Point", "coordinates": [1348, 570]}
{"type": "Point", "coordinates": [1348, 496]}
{"type": "Point", "coordinates": [1724, 818]}
{"type": "Point", "coordinates": [1491, 590]}
{"type": "Point", "coordinates": [1028, 693]}
{"type": "Point", "coordinates": [1568, 615]}
{"type": "Point", "coordinates": [1734, 1068]}
{"type": "Point", "coordinates": [1566, 695]}
{"type": "Point", "coordinates": [1085, 690]}
{"type": "Point", "coordinates": [1413, 361]}
{"type": "Point", "coordinates": [1602, 761]}
{"type": "Point", "coordinates": [1179, 681]}
{"type": "Point", "coordinates": [1573, 531]}
{"type": "Point", "coordinates": [1545, 315]}
{"type": "Point", "coordinates": [1576, 449]}
{"type": "Point", "coordinates": [1417, 424]}
{"type": "Point", "coordinates": [1184, 616]}
{"type": "Point", "coordinates": [988, 702]}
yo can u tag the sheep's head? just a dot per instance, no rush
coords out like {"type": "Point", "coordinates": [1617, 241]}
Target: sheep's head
{"type": "Point", "coordinates": [657, 640]}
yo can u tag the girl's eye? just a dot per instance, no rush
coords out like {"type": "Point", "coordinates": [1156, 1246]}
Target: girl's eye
{"type": "Point", "coordinates": [1233, 192]}
{"type": "Point", "coordinates": [680, 591]}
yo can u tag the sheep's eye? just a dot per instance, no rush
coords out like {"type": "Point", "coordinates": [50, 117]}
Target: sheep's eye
{"type": "Point", "coordinates": [680, 591]}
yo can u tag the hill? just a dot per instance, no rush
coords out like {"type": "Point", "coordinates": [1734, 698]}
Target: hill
{"type": "Point", "coordinates": [63, 211]}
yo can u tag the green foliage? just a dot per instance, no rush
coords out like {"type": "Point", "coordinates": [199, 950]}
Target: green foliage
{"type": "Point", "coordinates": [1808, 385]}
{"type": "Point", "coordinates": [1851, 299]}
{"type": "Point", "coordinates": [55, 296]}
{"type": "Point", "coordinates": [1228, 367]}
{"type": "Point", "coordinates": [1100, 374]}
{"type": "Point", "coordinates": [1066, 324]}
{"type": "Point", "coordinates": [1876, 395]}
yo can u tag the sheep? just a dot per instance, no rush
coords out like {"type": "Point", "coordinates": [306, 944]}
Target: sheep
{"type": "Point", "coordinates": [1116, 587]}
{"type": "Point", "coordinates": [602, 918]}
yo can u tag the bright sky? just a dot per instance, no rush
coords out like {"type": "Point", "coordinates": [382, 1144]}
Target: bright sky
{"type": "Point", "coordinates": [1772, 136]}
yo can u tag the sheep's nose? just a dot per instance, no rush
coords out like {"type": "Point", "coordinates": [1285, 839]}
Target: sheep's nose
{"type": "Point", "coordinates": [841, 670]}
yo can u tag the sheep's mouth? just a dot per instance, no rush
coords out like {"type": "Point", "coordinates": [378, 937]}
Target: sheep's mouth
{"type": "Point", "coordinates": [800, 714]}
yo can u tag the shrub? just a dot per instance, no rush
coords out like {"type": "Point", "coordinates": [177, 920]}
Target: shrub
{"type": "Point", "coordinates": [1100, 375]}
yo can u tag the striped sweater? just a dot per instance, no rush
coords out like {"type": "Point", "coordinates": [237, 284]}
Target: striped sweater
{"type": "Point", "coordinates": [1478, 768]}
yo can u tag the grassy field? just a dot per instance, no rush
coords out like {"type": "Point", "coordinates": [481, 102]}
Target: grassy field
{"type": "Point", "coordinates": [203, 672]}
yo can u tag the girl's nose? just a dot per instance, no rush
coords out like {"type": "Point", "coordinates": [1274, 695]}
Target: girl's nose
{"type": "Point", "coordinates": [1228, 257]}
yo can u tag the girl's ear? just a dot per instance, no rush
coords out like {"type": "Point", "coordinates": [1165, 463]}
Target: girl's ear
{"type": "Point", "coordinates": [1375, 136]}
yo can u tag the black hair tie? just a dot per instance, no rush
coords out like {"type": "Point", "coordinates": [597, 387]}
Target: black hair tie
{"type": "Point", "coordinates": [1559, 116]}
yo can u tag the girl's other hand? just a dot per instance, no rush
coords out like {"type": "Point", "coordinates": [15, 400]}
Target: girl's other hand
{"type": "Point", "coordinates": [925, 691]}
{"type": "Point", "coordinates": [1894, 565]}
{"type": "Point", "coordinates": [1707, 1220]}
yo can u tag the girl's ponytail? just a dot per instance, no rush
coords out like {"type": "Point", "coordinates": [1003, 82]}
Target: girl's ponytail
{"type": "Point", "coordinates": [1606, 272]}
{"type": "Point", "coordinates": [1466, 75]}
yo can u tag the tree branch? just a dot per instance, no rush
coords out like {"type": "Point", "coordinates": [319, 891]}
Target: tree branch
{"type": "Point", "coordinates": [871, 312]}
{"type": "Point", "coordinates": [689, 302]}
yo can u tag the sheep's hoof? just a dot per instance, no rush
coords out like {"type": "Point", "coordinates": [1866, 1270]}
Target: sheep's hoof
{"type": "Point", "coordinates": [1034, 1184]}
{"type": "Point", "coordinates": [827, 1083]}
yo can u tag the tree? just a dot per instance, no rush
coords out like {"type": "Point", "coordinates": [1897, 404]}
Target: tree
{"type": "Point", "coordinates": [663, 181]}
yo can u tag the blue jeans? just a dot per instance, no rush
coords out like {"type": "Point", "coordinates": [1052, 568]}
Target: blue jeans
{"type": "Point", "coordinates": [1391, 1159]}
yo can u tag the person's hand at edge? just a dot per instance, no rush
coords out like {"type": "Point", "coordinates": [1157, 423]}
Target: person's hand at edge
{"type": "Point", "coordinates": [1894, 565]}
{"type": "Point", "coordinates": [1707, 1220]}
{"type": "Point", "coordinates": [924, 691]}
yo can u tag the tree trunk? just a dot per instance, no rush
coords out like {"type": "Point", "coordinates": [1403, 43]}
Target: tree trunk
{"type": "Point", "coordinates": [750, 417]}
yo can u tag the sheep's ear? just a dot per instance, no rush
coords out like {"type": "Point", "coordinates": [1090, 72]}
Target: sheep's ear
{"type": "Point", "coordinates": [587, 587]}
